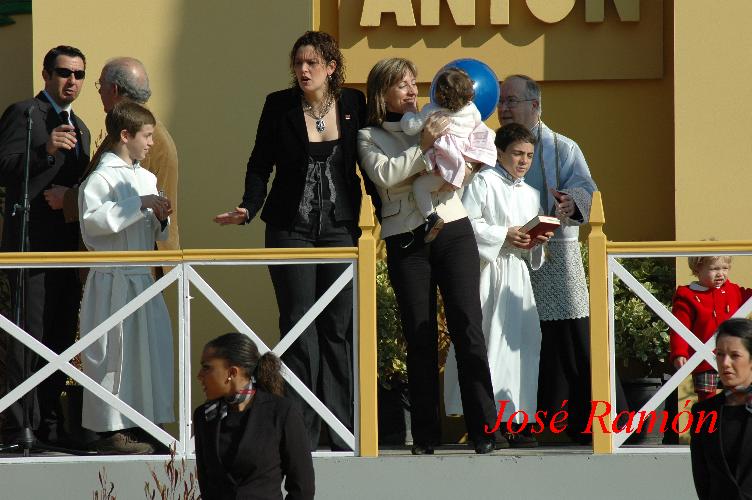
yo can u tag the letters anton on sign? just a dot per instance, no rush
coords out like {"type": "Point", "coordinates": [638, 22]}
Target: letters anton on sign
{"type": "Point", "coordinates": [546, 39]}
{"type": "Point", "coordinates": [463, 11]}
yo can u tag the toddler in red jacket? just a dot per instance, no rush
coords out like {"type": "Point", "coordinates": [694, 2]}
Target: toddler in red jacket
{"type": "Point", "coordinates": [702, 306]}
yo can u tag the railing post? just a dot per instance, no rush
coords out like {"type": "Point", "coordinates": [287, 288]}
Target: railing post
{"type": "Point", "coordinates": [600, 358]}
{"type": "Point", "coordinates": [369, 429]}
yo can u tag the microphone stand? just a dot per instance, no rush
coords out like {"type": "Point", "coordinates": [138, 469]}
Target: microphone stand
{"type": "Point", "coordinates": [26, 440]}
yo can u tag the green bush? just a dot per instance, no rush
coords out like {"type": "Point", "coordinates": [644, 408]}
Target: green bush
{"type": "Point", "coordinates": [392, 357]}
{"type": "Point", "coordinates": [641, 337]}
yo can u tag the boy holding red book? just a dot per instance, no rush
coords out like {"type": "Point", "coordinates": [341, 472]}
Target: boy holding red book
{"type": "Point", "coordinates": [498, 203]}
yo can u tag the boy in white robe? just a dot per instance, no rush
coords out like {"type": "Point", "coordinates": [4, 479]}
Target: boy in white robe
{"type": "Point", "coordinates": [498, 203]}
{"type": "Point", "coordinates": [121, 210]}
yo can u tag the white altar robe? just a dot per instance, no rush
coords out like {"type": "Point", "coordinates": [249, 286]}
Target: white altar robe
{"type": "Point", "coordinates": [494, 203]}
{"type": "Point", "coordinates": [134, 360]}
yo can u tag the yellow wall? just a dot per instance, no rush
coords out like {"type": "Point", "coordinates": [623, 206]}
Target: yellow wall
{"type": "Point", "coordinates": [16, 56]}
{"type": "Point", "coordinates": [713, 118]}
{"type": "Point", "coordinates": [713, 123]}
{"type": "Point", "coordinates": [210, 65]}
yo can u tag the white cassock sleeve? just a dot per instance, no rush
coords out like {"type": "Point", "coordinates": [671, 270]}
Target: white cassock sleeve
{"type": "Point", "coordinates": [100, 215]}
{"type": "Point", "coordinates": [489, 237]}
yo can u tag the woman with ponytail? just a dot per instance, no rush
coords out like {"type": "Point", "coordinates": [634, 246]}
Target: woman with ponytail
{"type": "Point", "coordinates": [248, 436]}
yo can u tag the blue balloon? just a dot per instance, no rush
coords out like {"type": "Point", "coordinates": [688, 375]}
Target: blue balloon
{"type": "Point", "coordinates": [485, 84]}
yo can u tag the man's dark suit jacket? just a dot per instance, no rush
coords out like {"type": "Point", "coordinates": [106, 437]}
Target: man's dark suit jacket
{"type": "Point", "coordinates": [282, 142]}
{"type": "Point", "coordinates": [274, 443]}
{"type": "Point", "coordinates": [713, 479]}
{"type": "Point", "coordinates": [48, 230]}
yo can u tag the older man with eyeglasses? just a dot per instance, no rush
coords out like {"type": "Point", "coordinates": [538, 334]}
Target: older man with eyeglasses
{"type": "Point", "coordinates": [59, 154]}
{"type": "Point", "coordinates": [561, 175]}
{"type": "Point", "coordinates": [125, 78]}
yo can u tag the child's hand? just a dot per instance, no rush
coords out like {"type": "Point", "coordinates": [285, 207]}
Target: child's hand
{"type": "Point", "coordinates": [679, 362]}
{"type": "Point", "coordinates": [159, 204]}
{"type": "Point", "coordinates": [517, 238]}
{"type": "Point", "coordinates": [543, 238]}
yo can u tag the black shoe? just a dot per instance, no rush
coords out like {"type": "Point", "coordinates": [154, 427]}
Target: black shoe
{"type": "Point", "coordinates": [501, 442]}
{"type": "Point", "coordinates": [434, 223]}
{"type": "Point", "coordinates": [422, 449]}
{"type": "Point", "coordinates": [486, 446]}
{"type": "Point", "coordinates": [521, 440]}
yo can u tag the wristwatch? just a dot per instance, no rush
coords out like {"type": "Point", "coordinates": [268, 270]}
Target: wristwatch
{"type": "Point", "coordinates": [50, 160]}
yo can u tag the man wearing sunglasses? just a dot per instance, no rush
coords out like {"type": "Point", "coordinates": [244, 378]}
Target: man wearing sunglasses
{"type": "Point", "coordinates": [126, 78]}
{"type": "Point", "coordinates": [59, 154]}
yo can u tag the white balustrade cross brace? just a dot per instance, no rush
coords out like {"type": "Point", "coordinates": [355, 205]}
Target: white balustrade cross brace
{"type": "Point", "coordinates": [703, 350]}
{"type": "Point", "coordinates": [185, 275]}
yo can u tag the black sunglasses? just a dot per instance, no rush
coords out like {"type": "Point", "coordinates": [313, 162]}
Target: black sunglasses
{"type": "Point", "coordinates": [66, 73]}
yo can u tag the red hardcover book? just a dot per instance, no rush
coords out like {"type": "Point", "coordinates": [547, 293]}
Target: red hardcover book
{"type": "Point", "coordinates": [538, 225]}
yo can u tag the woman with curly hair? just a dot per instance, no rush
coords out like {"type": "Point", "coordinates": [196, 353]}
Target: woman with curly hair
{"type": "Point", "coordinates": [308, 133]}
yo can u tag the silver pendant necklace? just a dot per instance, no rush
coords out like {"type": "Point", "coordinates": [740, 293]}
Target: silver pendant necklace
{"type": "Point", "coordinates": [319, 119]}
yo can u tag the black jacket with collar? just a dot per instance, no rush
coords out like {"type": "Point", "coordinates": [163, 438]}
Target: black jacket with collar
{"type": "Point", "coordinates": [48, 230]}
{"type": "Point", "coordinates": [273, 444]}
{"type": "Point", "coordinates": [713, 479]}
{"type": "Point", "coordinates": [282, 143]}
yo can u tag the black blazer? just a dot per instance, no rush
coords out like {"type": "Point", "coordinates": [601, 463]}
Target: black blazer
{"type": "Point", "coordinates": [282, 142]}
{"type": "Point", "coordinates": [274, 444]}
{"type": "Point", "coordinates": [48, 230]}
{"type": "Point", "coordinates": [713, 479]}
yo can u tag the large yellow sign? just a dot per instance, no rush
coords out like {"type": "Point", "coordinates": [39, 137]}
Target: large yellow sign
{"type": "Point", "coordinates": [547, 39]}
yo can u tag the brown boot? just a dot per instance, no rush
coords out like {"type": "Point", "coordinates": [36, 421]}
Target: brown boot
{"type": "Point", "coordinates": [123, 442]}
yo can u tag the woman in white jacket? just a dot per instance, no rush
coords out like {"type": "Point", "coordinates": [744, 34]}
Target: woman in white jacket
{"type": "Point", "coordinates": [393, 160]}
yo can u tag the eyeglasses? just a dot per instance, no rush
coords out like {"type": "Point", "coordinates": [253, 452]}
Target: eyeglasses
{"type": "Point", "coordinates": [79, 74]}
{"type": "Point", "coordinates": [513, 102]}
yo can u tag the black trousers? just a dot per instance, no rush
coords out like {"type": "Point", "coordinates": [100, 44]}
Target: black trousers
{"type": "Point", "coordinates": [451, 261]}
{"type": "Point", "coordinates": [565, 374]}
{"type": "Point", "coordinates": [52, 301]}
{"type": "Point", "coordinates": [322, 356]}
